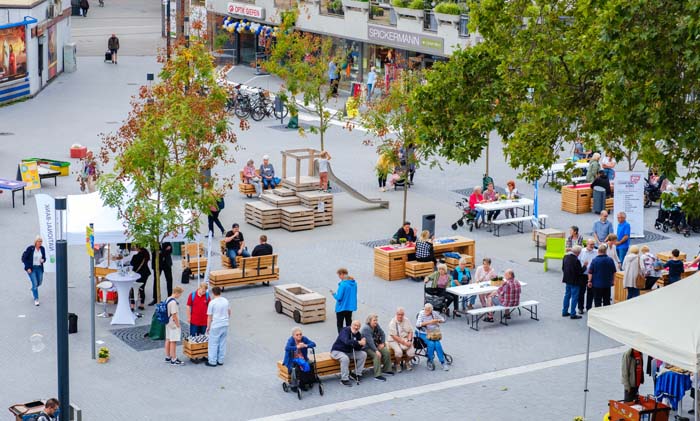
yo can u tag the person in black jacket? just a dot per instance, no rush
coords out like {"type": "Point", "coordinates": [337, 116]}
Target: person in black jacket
{"type": "Point", "coordinates": [33, 259]}
{"type": "Point", "coordinates": [406, 233]}
{"type": "Point", "coordinates": [139, 264]}
{"type": "Point", "coordinates": [165, 266]}
{"type": "Point", "coordinates": [262, 249]}
{"type": "Point", "coordinates": [603, 181]}
{"type": "Point", "coordinates": [573, 275]}
{"type": "Point", "coordinates": [348, 345]}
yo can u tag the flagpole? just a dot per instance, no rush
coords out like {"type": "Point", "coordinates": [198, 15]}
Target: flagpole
{"type": "Point", "coordinates": [536, 223]}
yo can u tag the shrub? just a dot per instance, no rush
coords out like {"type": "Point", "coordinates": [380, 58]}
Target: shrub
{"type": "Point", "coordinates": [448, 8]}
{"type": "Point", "coordinates": [416, 4]}
{"type": "Point", "coordinates": [399, 3]}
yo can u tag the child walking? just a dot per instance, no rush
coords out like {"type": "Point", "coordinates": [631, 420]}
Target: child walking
{"type": "Point", "coordinates": [324, 157]}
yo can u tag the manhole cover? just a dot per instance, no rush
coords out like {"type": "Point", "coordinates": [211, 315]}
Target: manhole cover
{"type": "Point", "coordinates": [6, 134]}
{"type": "Point", "coordinates": [134, 337]}
{"type": "Point", "coordinates": [649, 236]}
{"type": "Point", "coordinates": [376, 243]}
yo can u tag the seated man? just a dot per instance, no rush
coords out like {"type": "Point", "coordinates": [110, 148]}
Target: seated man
{"type": "Point", "coordinates": [349, 344]}
{"type": "Point", "coordinates": [603, 181]}
{"type": "Point", "coordinates": [401, 340]}
{"type": "Point", "coordinates": [262, 249]}
{"type": "Point", "coordinates": [235, 245]}
{"type": "Point", "coordinates": [405, 232]}
{"type": "Point", "coordinates": [507, 295]}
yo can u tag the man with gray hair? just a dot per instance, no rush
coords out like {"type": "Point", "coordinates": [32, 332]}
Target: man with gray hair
{"type": "Point", "coordinates": [573, 277]}
{"type": "Point", "coordinates": [348, 345]}
{"type": "Point", "coordinates": [601, 274]}
{"type": "Point", "coordinates": [401, 339]}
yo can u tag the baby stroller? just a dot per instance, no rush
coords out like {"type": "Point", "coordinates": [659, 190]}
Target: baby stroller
{"type": "Point", "coordinates": [422, 351]}
{"type": "Point", "coordinates": [438, 297]}
{"type": "Point", "coordinates": [468, 216]}
{"type": "Point", "coordinates": [672, 219]}
{"type": "Point", "coordinates": [303, 380]}
{"type": "Point", "coordinates": [652, 191]}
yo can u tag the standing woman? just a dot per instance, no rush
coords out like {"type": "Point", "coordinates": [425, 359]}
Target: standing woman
{"type": "Point", "coordinates": [346, 299]}
{"type": "Point", "coordinates": [33, 259]}
{"type": "Point", "coordinates": [633, 266]}
{"type": "Point", "coordinates": [88, 175]}
{"type": "Point", "coordinates": [84, 6]}
{"type": "Point", "coordinates": [139, 263]}
{"type": "Point", "coordinates": [383, 168]}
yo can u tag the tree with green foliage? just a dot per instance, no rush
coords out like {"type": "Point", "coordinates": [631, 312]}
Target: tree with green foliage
{"type": "Point", "coordinates": [177, 131]}
{"type": "Point", "coordinates": [301, 60]}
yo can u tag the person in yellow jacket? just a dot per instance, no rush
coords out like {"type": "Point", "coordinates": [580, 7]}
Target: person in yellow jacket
{"type": "Point", "coordinates": [383, 168]}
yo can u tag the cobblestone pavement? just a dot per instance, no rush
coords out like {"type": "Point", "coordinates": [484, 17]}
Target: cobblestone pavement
{"type": "Point", "coordinates": [517, 381]}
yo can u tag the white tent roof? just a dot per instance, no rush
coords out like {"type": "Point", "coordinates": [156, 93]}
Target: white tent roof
{"type": "Point", "coordinates": [84, 209]}
{"type": "Point", "coordinates": [664, 323]}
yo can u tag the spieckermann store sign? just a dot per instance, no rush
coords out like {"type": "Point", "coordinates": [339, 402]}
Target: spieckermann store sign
{"type": "Point", "coordinates": [405, 40]}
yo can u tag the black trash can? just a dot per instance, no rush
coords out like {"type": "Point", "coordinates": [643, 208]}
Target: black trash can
{"type": "Point", "coordinates": [598, 199]}
{"type": "Point", "coordinates": [72, 323]}
{"type": "Point", "coordinates": [429, 224]}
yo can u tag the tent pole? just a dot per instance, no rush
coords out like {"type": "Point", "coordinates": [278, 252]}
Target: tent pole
{"type": "Point", "coordinates": [585, 386]}
{"type": "Point", "coordinates": [697, 398]}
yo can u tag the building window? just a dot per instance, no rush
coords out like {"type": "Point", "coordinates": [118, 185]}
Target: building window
{"type": "Point", "coordinates": [464, 26]}
{"type": "Point", "coordinates": [332, 7]}
{"type": "Point", "coordinates": [380, 12]}
{"type": "Point", "coordinates": [430, 22]}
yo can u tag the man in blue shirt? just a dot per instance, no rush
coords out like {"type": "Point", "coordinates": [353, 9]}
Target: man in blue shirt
{"type": "Point", "coordinates": [602, 228]}
{"type": "Point", "coordinates": [601, 275]}
{"type": "Point", "coordinates": [623, 236]}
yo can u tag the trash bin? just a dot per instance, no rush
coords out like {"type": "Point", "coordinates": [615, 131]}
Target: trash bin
{"type": "Point", "coordinates": [72, 323]}
{"type": "Point", "coordinates": [598, 199]}
{"type": "Point", "coordinates": [177, 248]}
{"type": "Point", "coordinates": [429, 224]}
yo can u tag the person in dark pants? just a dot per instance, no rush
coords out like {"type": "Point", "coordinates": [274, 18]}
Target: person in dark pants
{"type": "Point", "coordinates": [84, 6]}
{"type": "Point", "coordinates": [632, 373]}
{"type": "Point", "coordinates": [345, 299]}
{"type": "Point", "coordinates": [165, 266]}
{"type": "Point", "coordinates": [262, 249]}
{"type": "Point", "coordinates": [213, 217]}
{"type": "Point", "coordinates": [573, 273]}
{"type": "Point", "coordinates": [139, 263]}
{"type": "Point", "coordinates": [113, 47]}
{"type": "Point", "coordinates": [601, 274]}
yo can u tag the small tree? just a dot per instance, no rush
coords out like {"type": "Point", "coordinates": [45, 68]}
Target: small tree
{"type": "Point", "coordinates": [391, 120]}
{"type": "Point", "coordinates": [301, 60]}
{"type": "Point", "coordinates": [176, 130]}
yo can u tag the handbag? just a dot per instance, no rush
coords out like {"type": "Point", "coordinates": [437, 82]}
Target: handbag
{"type": "Point", "coordinates": [434, 335]}
{"type": "Point", "coordinates": [641, 280]}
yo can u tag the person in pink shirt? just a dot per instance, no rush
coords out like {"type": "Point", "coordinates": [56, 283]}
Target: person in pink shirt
{"type": "Point", "coordinates": [491, 195]}
{"type": "Point", "coordinates": [484, 273]}
{"type": "Point", "coordinates": [251, 177]}
{"type": "Point", "coordinates": [475, 198]}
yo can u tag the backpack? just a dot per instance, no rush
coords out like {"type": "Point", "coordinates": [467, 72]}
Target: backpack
{"type": "Point", "coordinates": [220, 204]}
{"type": "Point", "coordinates": [206, 297]}
{"type": "Point", "coordinates": [162, 311]}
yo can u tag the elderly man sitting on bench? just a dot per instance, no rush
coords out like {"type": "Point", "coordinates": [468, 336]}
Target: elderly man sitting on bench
{"type": "Point", "coordinates": [507, 295]}
{"type": "Point", "coordinates": [348, 345]}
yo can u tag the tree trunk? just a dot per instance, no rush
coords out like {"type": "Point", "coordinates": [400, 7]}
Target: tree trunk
{"type": "Point", "coordinates": [405, 194]}
{"type": "Point", "coordinates": [487, 157]}
{"type": "Point", "coordinates": [156, 269]}
{"type": "Point", "coordinates": [321, 130]}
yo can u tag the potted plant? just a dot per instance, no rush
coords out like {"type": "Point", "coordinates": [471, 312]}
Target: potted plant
{"type": "Point", "coordinates": [335, 7]}
{"type": "Point", "coordinates": [413, 9]}
{"type": "Point", "coordinates": [377, 11]}
{"type": "Point", "coordinates": [103, 355]}
{"type": "Point", "coordinates": [497, 281]}
{"type": "Point", "coordinates": [362, 5]}
{"type": "Point", "coordinates": [448, 12]}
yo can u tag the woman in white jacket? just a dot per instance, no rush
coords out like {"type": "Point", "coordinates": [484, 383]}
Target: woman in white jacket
{"type": "Point", "coordinates": [632, 267]}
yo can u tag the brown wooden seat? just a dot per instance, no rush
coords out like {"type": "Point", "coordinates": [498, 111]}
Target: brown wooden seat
{"type": "Point", "coordinates": [247, 188]}
{"type": "Point", "coordinates": [415, 269]}
{"type": "Point", "coordinates": [252, 270]}
{"type": "Point", "coordinates": [325, 365]}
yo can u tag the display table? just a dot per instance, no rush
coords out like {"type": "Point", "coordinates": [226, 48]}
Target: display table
{"type": "Point", "coordinates": [390, 261]}
{"type": "Point", "coordinates": [123, 314]}
{"type": "Point", "coordinates": [479, 288]}
{"type": "Point", "coordinates": [13, 186]}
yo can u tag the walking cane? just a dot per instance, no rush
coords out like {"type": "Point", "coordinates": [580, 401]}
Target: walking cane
{"type": "Point", "coordinates": [357, 376]}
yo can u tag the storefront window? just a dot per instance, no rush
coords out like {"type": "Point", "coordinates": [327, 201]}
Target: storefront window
{"type": "Point", "coordinates": [224, 46]}
{"type": "Point", "coordinates": [332, 7]}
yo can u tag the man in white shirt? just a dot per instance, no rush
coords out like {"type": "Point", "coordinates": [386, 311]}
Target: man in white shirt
{"type": "Point", "coordinates": [218, 313]}
{"type": "Point", "coordinates": [586, 257]}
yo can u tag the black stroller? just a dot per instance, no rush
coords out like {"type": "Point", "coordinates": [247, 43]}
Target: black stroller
{"type": "Point", "coordinates": [303, 380]}
{"type": "Point", "coordinates": [672, 219]}
{"type": "Point", "coordinates": [652, 191]}
{"type": "Point", "coordinates": [422, 351]}
{"type": "Point", "coordinates": [439, 298]}
{"type": "Point", "coordinates": [468, 216]}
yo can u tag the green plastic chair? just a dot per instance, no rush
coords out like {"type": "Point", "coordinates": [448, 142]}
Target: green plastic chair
{"type": "Point", "coordinates": [556, 249]}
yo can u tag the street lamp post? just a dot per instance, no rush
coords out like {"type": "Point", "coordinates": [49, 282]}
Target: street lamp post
{"type": "Point", "coordinates": [62, 309]}
{"type": "Point", "coordinates": [167, 31]}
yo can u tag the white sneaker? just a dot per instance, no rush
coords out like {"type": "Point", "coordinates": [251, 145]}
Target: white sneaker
{"type": "Point", "coordinates": [36, 303]}
{"type": "Point", "coordinates": [445, 367]}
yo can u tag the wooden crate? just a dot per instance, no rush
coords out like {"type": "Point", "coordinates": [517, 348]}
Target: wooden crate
{"type": "Point", "coordinates": [306, 183]}
{"type": "Point", "coordinates": [300, 303]}
{"type": "Point", "coordinates": [279, 201]}
{"type": "Point", "coordinates": [452, 263]}
{"type": "Point", "coordinates": [312, 200]}
{"type": "Point", "coordinates": [193, 250]}
{"type": "Point", "coordinates": [194, 351]}
{"type": "Point", "coordinates": [284, 192]}
{"type": "Point", "coordinates": [297, 218]}
{"type": "Point", "coordinates": [390, 267]}
{"type": "Point", "coordinates": [665, 256]}
{"type": "Point", "coordinates": [576, 199]}
{"type": "Point", "coordinates": [415, 269]}
{"type": "Point", "coordinates": [262, 215]}
{"type": "Point", "coordinates": [540, 236]}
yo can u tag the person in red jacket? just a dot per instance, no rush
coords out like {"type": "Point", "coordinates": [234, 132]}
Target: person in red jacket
{"type": "Point", "coordinates": [475, 198]}
{"type": "Point", "coordinates": [197, 303]}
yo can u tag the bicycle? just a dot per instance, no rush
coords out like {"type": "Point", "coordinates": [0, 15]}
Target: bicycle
{"type": "Point", "coordinates": [264, 107]}
{"type": "Point", "coordinates": [239, 103]}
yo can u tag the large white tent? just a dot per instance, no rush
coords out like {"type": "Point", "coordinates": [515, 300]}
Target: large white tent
{"type": "Point", "coordinates": [664, 323]}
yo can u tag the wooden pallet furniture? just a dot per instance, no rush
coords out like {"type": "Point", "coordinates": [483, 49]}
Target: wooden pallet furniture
{"type": "Point", "coordinates": [195, 350]}
{"type": "Point", "coordinates": [300, 303]}
{"type": "Point", "coordinates": [247, 188]}
{"type": "Point", "coordinates": [609, 204]}
{"type": "Point", "coordinates": [665, 256]}
{"type": "Point", "coordinates": [540, 236]}
{"type": "Point", "coordinates": [322, 205]}
{"type": "Point", "coordinates": [252, 270]}
{"type": "Point", "coordinates": [263, 215]}
{"type": "Point", "coordinates": [193, 258]}
{"type": "Point", "coordinates": [576, 198]}
{"type": "Point", "coordinates": [297, 218]}
{"type": "Point", "coordinates": [452, 262]}
{"type": "Point", "coordinates": [390, 261]}
{"type": "Point", "coordinates": [415, 269]}
{"type": "Point", "coordinates": [279, 201]}
{"type": "Point", "coordinates": [325, 365]}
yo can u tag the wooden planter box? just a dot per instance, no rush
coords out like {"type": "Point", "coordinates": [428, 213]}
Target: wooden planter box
{"type": "Point", "coordinates": [262, 215]}
{"type": "Point", "coordinates": [405, 12]}
{"type": "Point", "coordinates": [540, 236]}
{"type": "Point", "coordinates": [300, 303]}
{"type": "Point", "coordinates": [576, 199]}
{"type": "Point", "coordinates": [194, 351]}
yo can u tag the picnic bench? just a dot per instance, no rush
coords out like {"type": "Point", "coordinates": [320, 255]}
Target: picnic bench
{"type": "Point", "coordinates": [250, 271]}
{"type": "Point", "coordinates": [518, 222]}
{"type": "Point", "coordinates": [477, 314]}
{"type": "Point", "coordinates": [325, 365]}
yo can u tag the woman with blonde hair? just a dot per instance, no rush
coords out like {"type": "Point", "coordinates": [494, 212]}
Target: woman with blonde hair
{"type": "Point", "coordinates": [424, 248]}
{"type": "Point", "coordinates": [33, 258]}
{"type": "Point", "coordinates": [633, 266]}
{"type": "Point", "coordinates": [652, 266]}
{"type": "Point", "coordinates": [610, 240]}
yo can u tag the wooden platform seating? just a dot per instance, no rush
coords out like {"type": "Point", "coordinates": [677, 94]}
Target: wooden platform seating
{"type": "Point", "coordinates": [415, 269]}
{"type": "Point", "coordinates": [252, 270]}
{"type": "Point", "coordinates": [325, 365]}
{"type": "Point", "coordinates": [300, 303]}
{"type": "Point", "coordinates": [193, 258]}
{"type": "Point", "coordinates": [247, 188]}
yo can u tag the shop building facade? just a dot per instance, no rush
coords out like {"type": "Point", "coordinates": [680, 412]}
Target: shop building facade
{"type": "Point", "coordinates": [33, 37]}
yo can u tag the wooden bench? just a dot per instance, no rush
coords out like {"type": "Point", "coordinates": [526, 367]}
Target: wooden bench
{"type": "Point", "coordinates": [415, 269]}
{"type": "Point", "coordinates": [452, 262]}
{"type": "Point", "coordinates": [247, 188]}
{"type": "Point", "coordinates": [325, 365]}
{"type": "Point", "coordinates": [252, 270]}
{"type": "Point", "coordinates": [193, 258]}
{"type": "Point", "coordinates": [478, 313]}
{"type": "Point", "coordinates": [519, 223]}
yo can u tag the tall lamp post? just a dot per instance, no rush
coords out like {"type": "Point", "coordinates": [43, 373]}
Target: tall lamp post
{"type": "Point", "coordinates": [62, 309]}
{"type": "Point", "coordinates": [167, 31]}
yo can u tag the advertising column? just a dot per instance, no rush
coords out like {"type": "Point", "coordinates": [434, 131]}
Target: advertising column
{"type": "Point", "coordinates": [629, 198]}
{"type": "Point", "coordinates": [13, 62]}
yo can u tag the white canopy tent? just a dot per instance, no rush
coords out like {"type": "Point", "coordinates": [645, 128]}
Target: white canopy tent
{"type": "Point", "coordinates": [85, 209]}
{"type": "Point", "coordinates": [664, 323]}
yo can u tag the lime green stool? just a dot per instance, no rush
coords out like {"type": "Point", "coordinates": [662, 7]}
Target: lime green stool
{"type": "Point", "coordinates": [556, 249]}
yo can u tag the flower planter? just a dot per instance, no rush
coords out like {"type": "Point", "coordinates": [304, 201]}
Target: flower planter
{"type": "Point", "coordinates": [353, 4]}
{"type": "Point", "coordinates": [444, 18]}
{"type": "Point", "coordinates": [103, 360]}
{"type": "Point", "coordinates": [405, 12]}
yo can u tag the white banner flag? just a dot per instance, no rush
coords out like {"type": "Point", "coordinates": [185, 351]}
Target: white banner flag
{"type": "Point", "coordinates": [46, 209]}
{"type": "Point", "coordinates": [629, 198]}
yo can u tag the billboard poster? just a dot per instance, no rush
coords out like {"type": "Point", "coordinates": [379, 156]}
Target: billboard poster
{"type": "Point", "coordinates": [53, 56]}
{"type": "Point", "coordinates": [13, 53]}
{"type": "Point", "coordinates": [629, 198]}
